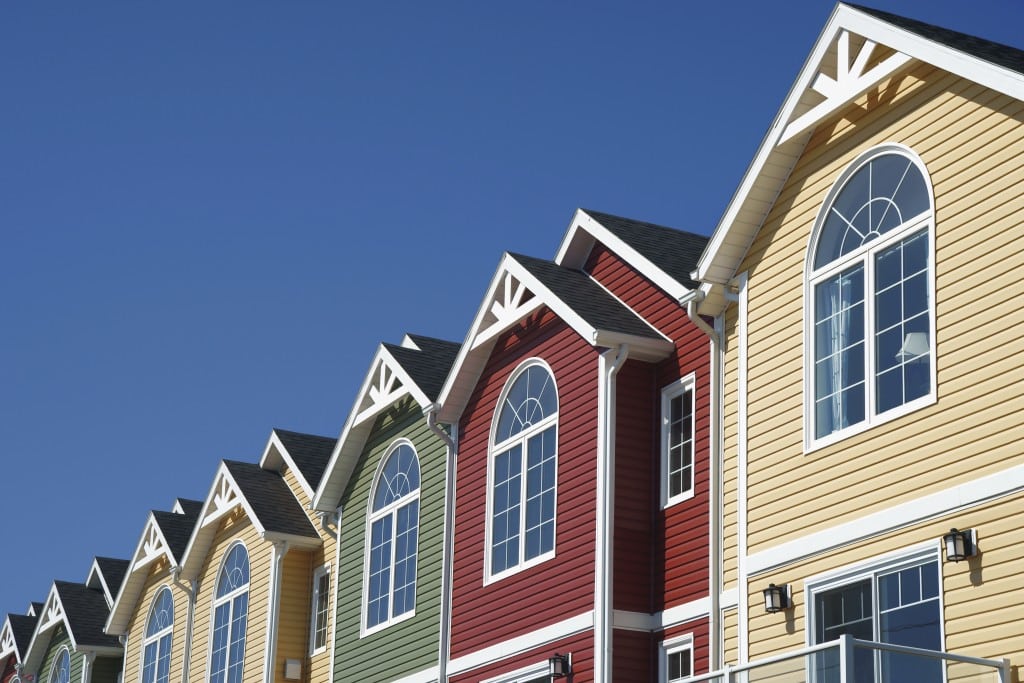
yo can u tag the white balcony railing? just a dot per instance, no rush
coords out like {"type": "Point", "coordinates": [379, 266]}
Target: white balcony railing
{"type": "Point", "coordinates": [849, 660]}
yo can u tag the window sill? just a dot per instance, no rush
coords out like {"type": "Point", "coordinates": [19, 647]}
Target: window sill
{"type": "Point", "coordinates": [364, 632]}
{"type": "Point", "coordinates": [813, 445]}
{"type": "Point", "coordinates": [521, 567]}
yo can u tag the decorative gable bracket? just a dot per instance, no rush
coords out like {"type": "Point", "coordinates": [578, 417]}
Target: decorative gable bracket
{"type": "Point", "coordinates": [385, 388]}
{"type": "Point", "coordinates": [851, 80]}
{"type": "Point", "coordinates": [509, 303]}
{"type": "Point", "coordinates": [224, 500]}
{"type": "Point", "coordinates": [152, 547]}
{"type": "Point", "coordinates": [7, 644]}
{"type": "Point", "coordinates": [53, 612]}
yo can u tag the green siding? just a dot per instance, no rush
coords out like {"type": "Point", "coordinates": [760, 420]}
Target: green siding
{"type": "Point", "coordinates": [412, 645]}
{"type": "Point", "coordinates": [58, 640]}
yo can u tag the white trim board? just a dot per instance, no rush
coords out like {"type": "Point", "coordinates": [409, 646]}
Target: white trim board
{"type": "Point", "coordinates": [425, 676]}
{"type": "Point", "coordinates": [938, 504]}
{"type": "Point", "coordinates": [519, 644]}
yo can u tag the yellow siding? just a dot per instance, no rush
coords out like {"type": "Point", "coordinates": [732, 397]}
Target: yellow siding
{"type": "Point", "coordinates": [979, 197]}
{"type": "Point", "coordinates": [730, 447]}
{"type": "Point", "coordinates": [730, 649]}
{"type": "Point", "coordinates": [158, 577]}
{"type": "Point", "coordinates": [235, 527]}
{"type": "Point", "coordinates": [983, 598]}
{"type": "Point", "coordinates": [297, 593]}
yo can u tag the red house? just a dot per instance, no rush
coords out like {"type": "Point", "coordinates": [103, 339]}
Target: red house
{"type": "Point", "coordinates": [581, 526]}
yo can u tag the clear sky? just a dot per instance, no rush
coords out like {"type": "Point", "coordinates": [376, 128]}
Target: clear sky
{"type": "Point", "coordinates": [212, 213]}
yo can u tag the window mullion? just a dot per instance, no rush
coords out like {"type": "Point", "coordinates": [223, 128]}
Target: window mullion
{"type": "Point", "coordinates": [869, 336]}
{"type": "Point", "coordinates": [391, 571]}
{"type": "Point", "coordinates": [523, 495]}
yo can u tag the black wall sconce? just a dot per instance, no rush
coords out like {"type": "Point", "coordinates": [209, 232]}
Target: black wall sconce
{"type": "Point", "coordinates": [960, 544]}
{"type": "Point", "coordinates": [560, 666]}
{"type": "Point", "coordinates": [776, 598]}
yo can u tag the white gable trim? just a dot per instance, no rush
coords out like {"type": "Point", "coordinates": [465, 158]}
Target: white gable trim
{"type": "Point", "coordinates": [275, 447]}
{"type": "Point", "coordinates": [8, 645]}
{"type": "Point", "coordinates": [757, 191]}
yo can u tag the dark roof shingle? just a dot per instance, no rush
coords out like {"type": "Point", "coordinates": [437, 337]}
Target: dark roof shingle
{"type": "Point", "coordinates": [309, 452]}
{"type": "Point", "coordinates": [85, 610]}
{"type": "Point", "coordinates": [177, 529]}
{"type": "Point", "coordinates": [429, 366]}
{"type": "Point", "coordinates": [271, 500]}
{"type": "Point", "coordinates": [22, 627]}
{"type": "Point", "coordinates": [674, 251]}
{"type": "Point", "coordinates": [114, 571]}
{"type": "Point", "coordinates": [587, 298]}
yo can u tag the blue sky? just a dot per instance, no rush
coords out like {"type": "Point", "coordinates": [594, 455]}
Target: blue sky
{"type": "Point", "coordinates": [212, 213]}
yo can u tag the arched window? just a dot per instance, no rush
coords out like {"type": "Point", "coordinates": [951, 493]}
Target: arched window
{"type": "Point", "coordinates": [60, 672]}
{"type": "Point", "coordinates": [230, 607]}
{"type": "Point", "coordinates": [523, 455]}
{"type": "Point", "coordinates": [870, 296]}
{"type": "Point", "coordinates": [392, 538]}
{"type": "Point", "coordinates": [156, 645]}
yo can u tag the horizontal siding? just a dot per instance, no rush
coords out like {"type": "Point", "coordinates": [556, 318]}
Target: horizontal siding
{"type": "Point", "coordinates": [730, 637]}
{"type": "Point", "coordinates": [730, 451]}
{"type": "Point", "coordinates": [677, 543]}
{"type": "Point", "coordinates": [581, 645]}
{"type": "Point", "coordinates": [548, 592]}
{"type": "Point", "coordinates": [236, 527]}
{"type": "Point", "coordinates": [698, 631]}
{"type": "Point", "coordinates": [412, 645]}
{"type": "Point", "coordinates": [979, 199]}
{"type": "Point", "coordinates": [982, 597]}
{"type": "Point", "coordinates": [157, 578]}
{"type": "Point", "coordinates": [294, 617]}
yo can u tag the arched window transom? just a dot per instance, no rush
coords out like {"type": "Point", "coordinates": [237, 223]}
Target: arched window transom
{"type": "Point", "coordinates": [156, 646]}
{"type": "Point", "coordinates": [870, 295]}
{"type": "Point", "coordinates": [60, 672]}
{"type": "Point", "coordinates": [522, 491]}
{"type": "Point", "coordinates": [392, 538]}
{"type": "Point", "coordinates": [230, 610]}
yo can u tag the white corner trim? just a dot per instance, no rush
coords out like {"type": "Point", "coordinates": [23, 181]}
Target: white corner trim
{"type": "Point", "coordinates": [425, 676]}
{"type": "Point", "coordinates": [527, 641]}
{"type": "Point", "coordinates": [673, 616]}
{"type": "Point", "coordinates": [940, 503]}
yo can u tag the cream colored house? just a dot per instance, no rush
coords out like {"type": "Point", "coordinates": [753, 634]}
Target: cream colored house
{"type": "Point", "coordinates": [865, 279]}
{"type": "Point", "coordinates": [258, 566]}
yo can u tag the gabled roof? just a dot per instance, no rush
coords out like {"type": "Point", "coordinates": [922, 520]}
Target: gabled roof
{"type": "Point", "coordinates": [107, 574]}
{"type": "Point", "coordinates": [416, 368]}
{"type": "Point", "coordinates": [263, 496]}
{"type": "Point", "coordinates": [664, 255]}
{"type": "Point", "coordinates": [858, 49]}
{"type": "Point", "coordinates": [306, 454]}
{"type": "Point", "coordinates": [165, 537]}
{"type": "Point", "coordinates": [15, 636]}
{"type": "Point", "coordinates": [521, 286]}
{"type": "Point", "coordinates": [186, 506]}
{"type": "Point", "coordinates": [83, 612]}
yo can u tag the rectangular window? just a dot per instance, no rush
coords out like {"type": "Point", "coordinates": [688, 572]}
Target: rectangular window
{"type": "Point", "coordinates": [677, 659]}
{"type": "Point", "coordinates": [896, 603]}
{"type": "Point", "coordinates": [677, 441]}
{"type": "Point", "coordinates": [321, 609]}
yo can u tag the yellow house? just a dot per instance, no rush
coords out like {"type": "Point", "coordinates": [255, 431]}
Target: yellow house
{"type": "Point", "coordinates": [258, 565]}
{"type": "Point", "coordinates": [152, 611]}
{"type": "Point", "coordinates": [865, 281]}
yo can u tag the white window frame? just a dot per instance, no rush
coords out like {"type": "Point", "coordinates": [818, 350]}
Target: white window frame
{"type": "Point", "coordinates": [495, 449]}
{"type": "Point", "coordinates": [64, 650]}
{"type": "Point", "coordinates": [865, 254]}
{"type": "Point", "coordinates": [668, 393]}
{"type": "Point", "coordinates": [929, 551]}
{"type": "Point", "coordinates": [523, 675]}
{"type": "Point", "coordinates": [230, 599]}
{"type": "Point", "coordinates": [156, 637]}
{"type": "Point", "coordinates": [319, 574]}
{"type": "Point", "coordinates": [671, 647]}
{"type": "Point", "coordinates": [371, 517]}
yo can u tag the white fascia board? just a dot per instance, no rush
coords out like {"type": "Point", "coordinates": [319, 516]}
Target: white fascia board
{"type": "Point", "coordinates": [640, 348]}
{"type": "Point", "coordinates": [127, 596]}
{"type": "Point", "coordinates": [357, 429]}
{"type": "Point", "coordinates": [451, 410]}
{"type": "Point", "coordinates": [98, 573]}
{"type": "Point", "coordinates": [275, 454]}
{"type": "Point", "coordinates": [519, 644]}
{"type": "Point", "coordinates": [293, 540]}
{"type": "Point", "coordinates": [202, 534]}
{"type": "Point", "coordinates": [713, 267]}
{"type": "Point", "coordinates": [586, 229]}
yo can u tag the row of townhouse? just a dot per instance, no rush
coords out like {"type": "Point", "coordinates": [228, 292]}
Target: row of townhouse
{"type": "Point", "coordinates": [658, 456]}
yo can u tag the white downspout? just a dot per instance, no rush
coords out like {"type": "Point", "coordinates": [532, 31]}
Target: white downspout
{"type": "Point", "coordinates": [123, 639]}
{"type": "Point", "coordinates": [444, 646]}
{"type": "Point", "coordinates": [280, 549]}
{"type": "Point", "coordinates": [87, 661]}
{"type": "Point", "coordinates": [716, 508]}
{"type": "Point", "coordinates": [604, 611]}
{"type": "Point", "coordinates": [334, 589]}
{"type": "Point", "coordinates": [190, 589]}
{"type": "Point", "coordinates": [741, 472]}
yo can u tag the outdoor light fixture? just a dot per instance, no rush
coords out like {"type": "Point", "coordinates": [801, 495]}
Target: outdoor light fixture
{"type": "Point", "coordinates": [560, 666]}
{"type": "Point", "coordinates": [960, 544]}
{"type": "Point", "coordinates": [915, 347]}
{"type": "Point", "coordinates": [776, 598]}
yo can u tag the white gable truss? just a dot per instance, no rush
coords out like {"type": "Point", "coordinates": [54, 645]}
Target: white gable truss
{"type": "Point", "coordinates": [514, 294]}
{"type": "Point", "coordinates": [151, 548]}
{"type": "Point", "coordinates": [384, 384]}
{"type": "Point", "coordinates": [584, 230]}
{"type": "Point", "coordinates": [8, 646]}
{"type": "Point", "coordinates": [855, 53]}
{"type": "Point", "coordinates": [51, 616]}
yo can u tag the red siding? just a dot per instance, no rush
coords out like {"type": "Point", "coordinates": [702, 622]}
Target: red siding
{"type": "Point", "coordinates": [698, 628]}
{"type": "Point", "coordinates": [560, 587]}
{"type": "Point", "coordinates": [680, 557]}
{"type": "Point", "coordinates": [9, 669]}
{"type": "Point", "coordinates": [635, 657]}
{"type": "Point", "coordinates": [580, 645]}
